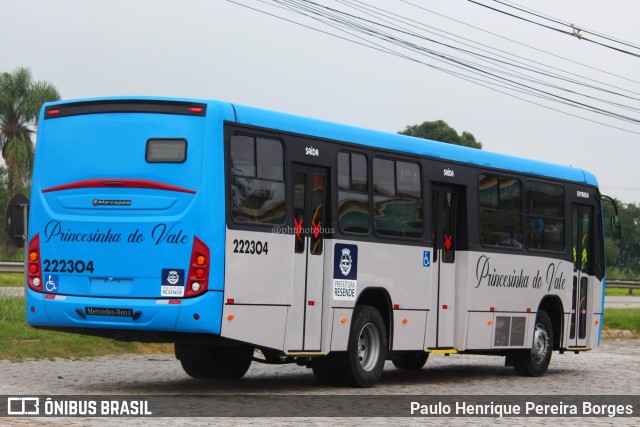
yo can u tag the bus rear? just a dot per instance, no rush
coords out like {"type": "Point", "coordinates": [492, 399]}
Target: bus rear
{"type": "Point", "coordinates": [126, 219]}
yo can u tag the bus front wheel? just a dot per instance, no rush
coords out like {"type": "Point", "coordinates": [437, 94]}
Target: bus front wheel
{"type": "Point", "coordinates": [367, 348]}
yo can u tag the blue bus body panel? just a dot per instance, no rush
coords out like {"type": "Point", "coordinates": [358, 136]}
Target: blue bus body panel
{"type": "Point", "coordinates": [117, 255]}
{"type": "Point", "coordinates": [155, 314]}
{"type": "Point", "coordinates": [438, 150]}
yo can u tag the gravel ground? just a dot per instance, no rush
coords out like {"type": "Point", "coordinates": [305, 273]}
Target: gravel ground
{"type": "Point", "coordinates": [610, 370]}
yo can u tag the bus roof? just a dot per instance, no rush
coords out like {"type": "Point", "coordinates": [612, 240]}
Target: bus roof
{"type": "Point", "coordinates": [322, 129]}
{"type": "Point", "coordinates": [424, 147]}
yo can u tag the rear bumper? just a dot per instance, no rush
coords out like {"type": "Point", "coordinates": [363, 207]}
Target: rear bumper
{"type": "Point", "coordinates": [202, 314]}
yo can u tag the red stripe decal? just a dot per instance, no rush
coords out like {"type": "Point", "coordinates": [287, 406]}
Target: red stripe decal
{"type": "Point", "coordinates": [118, 183]}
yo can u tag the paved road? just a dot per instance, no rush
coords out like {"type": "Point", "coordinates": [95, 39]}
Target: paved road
{"type": "Point", "coordinates": [622, 302]}
{"type": "Point", "coordinates": [11, 292]}
{"type": "Point", "coordinates": [612, 369]}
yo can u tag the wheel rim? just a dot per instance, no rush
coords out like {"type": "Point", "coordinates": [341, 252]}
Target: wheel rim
{"type": "Point", "coordinates": [540, 344]}
{"type": "Point", "coordinates": [368, 346]}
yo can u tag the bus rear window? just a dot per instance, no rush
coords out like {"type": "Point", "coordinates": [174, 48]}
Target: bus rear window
{"type": "Point", "coordinates": [166, 151]}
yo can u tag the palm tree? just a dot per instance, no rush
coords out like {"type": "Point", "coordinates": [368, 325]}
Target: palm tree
{"type": "Point", "coordinates": [20, 102]}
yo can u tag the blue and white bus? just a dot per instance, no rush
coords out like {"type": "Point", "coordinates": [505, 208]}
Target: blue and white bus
{"type": "Point", "coordinates": [242, 234]}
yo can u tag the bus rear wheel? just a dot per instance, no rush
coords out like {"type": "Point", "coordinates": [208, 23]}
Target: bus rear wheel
{"type": "Point", "coordinates": [412, 361]}
{"type": "Point", "coordinates": [367, 348]}
{"type": "Point", "coordinates": [534, 363]}
{"type": "Point", "coordinates": [195, 367]}
{"type": "Point", "coordinates": [210, 361]}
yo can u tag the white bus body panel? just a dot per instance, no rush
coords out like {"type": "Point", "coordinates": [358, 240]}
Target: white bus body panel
{"type": "Point", "coordinates": [259, 286]}
{"type": "Point", "coordinates": [492, 304]}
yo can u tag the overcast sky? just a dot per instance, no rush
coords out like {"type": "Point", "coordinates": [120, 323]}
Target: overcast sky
{"type": "Point", "coordinates": [220, 50]}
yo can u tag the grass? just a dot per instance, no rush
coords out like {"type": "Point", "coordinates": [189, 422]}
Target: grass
{"type": "Point", "coordinates": [19, 341]}
{"type": "Point", "coordinates": [621, 292]}
{"type": "Point", "coordinates": [8, 280]}
{"type": "Point", "coordinates": [622, 318]}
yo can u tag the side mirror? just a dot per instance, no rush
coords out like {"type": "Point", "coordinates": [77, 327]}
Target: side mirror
{"type": "Point", "coordinates": [616, 229]}
{"type": "Point", "coordinates": [16, 220]}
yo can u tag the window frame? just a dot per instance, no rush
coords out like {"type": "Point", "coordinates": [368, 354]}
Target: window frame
{"type": "Point", "coordinates": [366, 193]}
{"type": "Point", "coordinates": [151, 140]}
{"type": "Point", "coordinates": [231, 175]}
{"type": "Point", "coordinates": [481, 208]}
{"type": "Point", "coordinates": [564, 218]}
{"type": "Point", "coordinates": [420, 198]}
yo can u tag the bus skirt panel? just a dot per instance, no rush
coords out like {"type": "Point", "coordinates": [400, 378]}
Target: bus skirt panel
{"type": "Point", "coordinates": [198, 315]}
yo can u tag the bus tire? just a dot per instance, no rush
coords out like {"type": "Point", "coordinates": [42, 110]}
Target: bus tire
{"type": "Point", "coordinates": [230, 363]}
{"type": "Point", "coordinates": [534, 363]}
{"type": "Point", "coordinates": [194, 359]}
{"type": "Point", "coordinates": [203, 361]}
{"type": "Point", "coordinates": [412, 361]}
{"type": "Point", "coordinates": [195, 367]}
{"type": "Point", "coordinates": [367, 348]}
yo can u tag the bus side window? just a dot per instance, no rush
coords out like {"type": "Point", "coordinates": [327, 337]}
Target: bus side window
{"type": "Point", "coordinates": [243, 156]}
{"type": "Point", "coordinates": [257, 180]}
{"type": "Point", "coordinates": [353, 193]}
{"type": "Point", "coordinates": [269, 160]}
{"type": "Point", "coordinates": [500, 211]}
{"type": "Point", "coordinates": [397, 198]}
{"type": "Point", "coordinates": [544, 216]}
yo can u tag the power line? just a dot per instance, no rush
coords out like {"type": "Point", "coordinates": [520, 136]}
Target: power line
{"type": "Point", "coordinates": [329, 13]}
{"type": "Point", "coordinates": [505, 60]}
{"type": "Point", "coordinates": [502, 81]}
{"type": "Point", "coordinates": [558, 21]}
{"type": "Point", "coordinates": [488, 49]}
{"type": "Point", "coordinates": [560, 57]}
{"type": "Point", "coordinates": [312, 28]}
{"type": "Point", "coordinates": [362, 24]}
{"type": "Point", "coordinates": [576, 32]}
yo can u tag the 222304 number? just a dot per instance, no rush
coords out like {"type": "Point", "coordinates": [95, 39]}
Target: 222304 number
{"type": "Point", "coordinates": [252, 247]}
{"type": "Point", "coordinates": [66, 266]}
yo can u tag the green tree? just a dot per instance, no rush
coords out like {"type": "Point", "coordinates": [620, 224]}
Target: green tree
{"type": "Point", "coordinates": [8, 252]}
{"type": "Point", "coordinates": [441, 131]}
{"type": "Point", "coordinates": [20, 101]}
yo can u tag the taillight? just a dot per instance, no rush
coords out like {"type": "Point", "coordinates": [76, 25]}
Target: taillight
{"type": "Point", "coordinates": [34, 270]}
{"type": "Point", "coordinates": [198, 278]}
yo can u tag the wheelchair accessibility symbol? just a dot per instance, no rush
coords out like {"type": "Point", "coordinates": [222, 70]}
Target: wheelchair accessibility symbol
{"type": "Point", "coordinates": [51, 283]}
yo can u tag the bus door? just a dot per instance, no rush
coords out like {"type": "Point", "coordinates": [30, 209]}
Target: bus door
{"type": "Point", "coordinates": [445, 209]}
{"type": "Point", "coordinates": [582, 244]}
{"type": "Point", "coordinates": [310, 187]}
